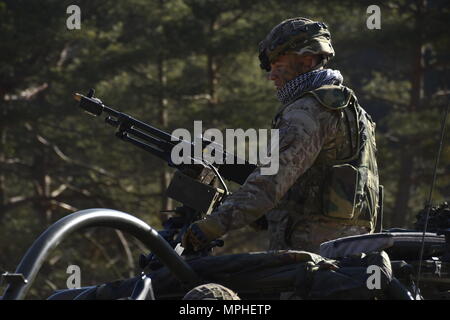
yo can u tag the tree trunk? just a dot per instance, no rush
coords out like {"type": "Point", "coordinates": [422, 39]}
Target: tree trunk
{"type": "Point", "coordinates": [212, 69]}
{"type": "Point", "coordinates": [403, 194]}
{"type": "Point", "coordinates": [213, 80]}
{"type": "Point", "coordinates": [42, 187]}
{"type": "Point", "coordinates": [2, 159]}
{"type": "Point", "coordinates": [166, 203]}
{"type": "Point", "coordinates": [404, 185]}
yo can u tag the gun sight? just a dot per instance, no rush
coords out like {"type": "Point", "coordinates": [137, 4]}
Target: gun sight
{"type": "Point", "coordinates": [92, 106]}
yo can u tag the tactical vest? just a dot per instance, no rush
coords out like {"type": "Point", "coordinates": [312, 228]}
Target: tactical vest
{"type": "Point", "coordinates": [336, 187]}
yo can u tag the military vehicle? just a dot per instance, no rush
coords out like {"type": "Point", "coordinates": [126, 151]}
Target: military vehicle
{"type": "Point", "coordinates": [390, 264]}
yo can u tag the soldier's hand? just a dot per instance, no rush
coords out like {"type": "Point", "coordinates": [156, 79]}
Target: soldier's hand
{"type": "Point", "coordinates": [200, 233]}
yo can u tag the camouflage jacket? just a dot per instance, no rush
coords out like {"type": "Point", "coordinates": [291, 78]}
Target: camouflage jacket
{"type": "Point", "coordinates": [325, 140]}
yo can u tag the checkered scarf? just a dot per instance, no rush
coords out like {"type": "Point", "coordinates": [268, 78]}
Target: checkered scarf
{"type": "Point", "coordinates": [307, 82]}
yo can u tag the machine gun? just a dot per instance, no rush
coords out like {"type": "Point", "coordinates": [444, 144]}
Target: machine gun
{"type": "Point", "coordinates": [194, 184]}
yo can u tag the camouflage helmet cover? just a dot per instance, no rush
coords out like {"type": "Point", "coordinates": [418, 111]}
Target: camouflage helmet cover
{"type": "Point", "coordinates": [298, 35]}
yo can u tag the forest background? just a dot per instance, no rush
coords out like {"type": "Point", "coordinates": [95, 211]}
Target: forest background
{"type": "Point", "coordinates": [168, 63]}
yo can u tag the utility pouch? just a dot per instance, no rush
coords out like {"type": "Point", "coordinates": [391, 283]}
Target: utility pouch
{"type": "Point", "coordinates": [340, 192]}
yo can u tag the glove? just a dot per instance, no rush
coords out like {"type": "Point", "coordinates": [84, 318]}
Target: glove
{"type": "Point", "coordinates": [200, 233]}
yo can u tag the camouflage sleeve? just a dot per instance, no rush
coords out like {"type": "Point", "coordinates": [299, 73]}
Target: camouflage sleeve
{"type": "Point", "coordinates": [303, 129]}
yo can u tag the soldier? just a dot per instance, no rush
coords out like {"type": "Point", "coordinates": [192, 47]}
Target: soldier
{"type": "Point", "coordinates": [327, 183]}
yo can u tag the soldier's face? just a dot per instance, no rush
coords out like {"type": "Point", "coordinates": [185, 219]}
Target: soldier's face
{"type": "Point", "coordinates": [289, 66]}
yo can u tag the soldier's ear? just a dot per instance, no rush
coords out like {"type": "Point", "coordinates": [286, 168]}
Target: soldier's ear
{"type": "Point", "coordinates": [311, 61]}
{"type": "Point", "coordinates": [307, 62]}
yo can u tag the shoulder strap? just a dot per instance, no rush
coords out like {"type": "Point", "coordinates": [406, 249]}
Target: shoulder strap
{"type": "Point", "coordinates": [332, 96]}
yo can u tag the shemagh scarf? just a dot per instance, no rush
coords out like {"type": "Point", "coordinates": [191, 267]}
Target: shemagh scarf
{"type": "Point", "coordinates": [307, 82]}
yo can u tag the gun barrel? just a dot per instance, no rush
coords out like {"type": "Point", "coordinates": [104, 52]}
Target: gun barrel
{"type": "Point", "coordinates": [156, 141]}
{"type": "Point", "coordinates": [126, 119]}
{"type": "Point", "coordinates": [90, 105]}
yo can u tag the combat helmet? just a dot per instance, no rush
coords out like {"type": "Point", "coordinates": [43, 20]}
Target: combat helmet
{"type": "Point", "coordinates": [299, 35]}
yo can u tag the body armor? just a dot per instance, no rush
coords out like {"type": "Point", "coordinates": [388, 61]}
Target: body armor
{"type": "Point", "coordinates": [341, 187]}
